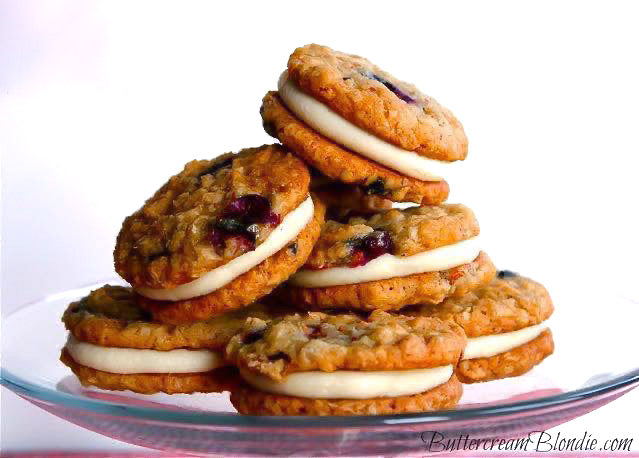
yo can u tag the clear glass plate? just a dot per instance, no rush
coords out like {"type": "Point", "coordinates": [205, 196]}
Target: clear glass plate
{"type": "Point", "coordinates": [589, 369]}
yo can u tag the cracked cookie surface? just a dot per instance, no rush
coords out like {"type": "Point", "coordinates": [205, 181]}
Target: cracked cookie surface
{"type": "Point", "coordinates": [377, 102]}
{"type": "Point", "coordinates": [509, 303]}
{"type": "Point", "coordinates": [111, 317]}
{"type": "Point", "coordinates": [318, 341]}
{"type": "Point", "coordinates": [209, 214]}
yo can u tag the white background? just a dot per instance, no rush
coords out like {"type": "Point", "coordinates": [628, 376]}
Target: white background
{"type": "Point", "coordinates": [101, 102]}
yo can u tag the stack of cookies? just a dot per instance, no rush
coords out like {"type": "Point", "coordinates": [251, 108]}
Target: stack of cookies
{"type": "Point", "coordinates": [283, 274]}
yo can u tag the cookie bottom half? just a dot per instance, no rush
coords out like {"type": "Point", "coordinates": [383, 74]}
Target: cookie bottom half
{"type": "Point", "coordinates": [395, 293]}
{"type": "Point", "coordinates": [215, 381]}
{"type": "Point", "coordinates": [511, 363]}
{"type": "Point", "coordinates": [249, 401]}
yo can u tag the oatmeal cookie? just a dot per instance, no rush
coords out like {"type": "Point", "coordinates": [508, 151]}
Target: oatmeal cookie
{"type": "Point", "coordinates": [209, 214]}
{"type": "Point", "coordinates": [511, 363]}
{"type": "Point", "coordinates": [509, 303]}
{"type": "Point", "coordinates": [110, 317]}
{"type": "Point", "coordinates": [317, 341]}
{"type": "Point", "coordinates": [394, 293]}
{"type": "Point", "coordinates": [319, 364]}
{"type": "Point", "coordinates": [215, 381]}
{"type": "Point", "coordinates": [505, 325]}
{"type": "Point", "coordinates": [248, 287]}
{"type": "Point", "coordinates": [400, 232]}
{"type": "Point", "coordinates": [341, 164]}
{"type": "Point", "coordinates": [249, 401]}
{"type": "Point", "coordinates": [377, 102]}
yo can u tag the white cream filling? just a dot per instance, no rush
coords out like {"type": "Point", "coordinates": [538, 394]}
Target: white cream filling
{"type": "Point", "coordinates": [331, 125]}
{"type": "Point", "coordinates": [287, 230]}
{"type": "Point", "coordinates": [390, 266]}
{"type": "Point", "coordinates": [352, 384]}
{"type": "Point", "coordinates": [487, 346]}
{"type": "Point", "coordinates": [137, 361]}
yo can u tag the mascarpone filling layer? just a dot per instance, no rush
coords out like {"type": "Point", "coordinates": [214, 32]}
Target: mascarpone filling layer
{"type": "Point", "coordinates": [390, 266]}
{"type": "Point", "coordinates": [292, 224]}
{"type": "Point", "coordinates": [352, 384]}
{"type": "Point", "coordinates": [328, 123]}
{"type": "Point", "coordinates": [491, 345]}
{"type": "Point", "coordinates": [137, 361]}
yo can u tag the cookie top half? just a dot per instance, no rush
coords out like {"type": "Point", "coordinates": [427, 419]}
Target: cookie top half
{"type": "Point", "coordinates": [402, 233]}
{"type": "Point", "coordinates": [509, 303]}
{"type": "Point", "coordinates": [209, 214]}
{"type": "Point", "coordinates": [377, 102]}
{"type": "Point", "coordinates": [318, 341]}
{"type": "Point", "coordinates": [110, 317]}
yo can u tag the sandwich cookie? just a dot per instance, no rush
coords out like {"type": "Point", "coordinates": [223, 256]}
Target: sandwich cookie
{"type": "Point", "coordinates": [392, 259]}
{"type": "Point", "coordinates": [319, 364]}
{"type": "Point", "coordinates": [358, 124]}
{"type": "Point", "coordinates": [114, 345]}
{"type": "Point", "coordinates": [506, 325]}
{"type": "Point", "coordinates": [220, 234]}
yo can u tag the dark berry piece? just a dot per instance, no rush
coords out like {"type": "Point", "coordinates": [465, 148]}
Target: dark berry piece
{"type": "Point", "coordinates": [240, 221]}
{"type": "Point", "coordinates": [507, 274]}
{"type": "Point", "coordinates": [231, 226]}
{"type": "Point", "coordinates": [390, 86]}
{"type": "Point", "coordinates": [272, 219]}
{"type": "Point", "coordinates": [377, 243]}
{"type": "Point", "coordinates": [358, 258]}
{"type": "Point", "coordinates": [279, 355]}
{"type": "Point", "coordinates": [376, 188]}
{"type": "Point", "coordinates": [269, 128]}
{"type": "Point", "coordinates": [245, 242]}
{"type": "Point", "coordinates": [216, 166]}
{"type": "Point", "coordinates": [217, 237]}
{"type": "Point", "coordinates": [370, 247]}
{"type": "Point", "coordinates": [251, 208]}
{"type": "Point", "coordinates": [252, 337]}
{"type": "Point", "coordinates": [159, 254]}
{"type": "Point", "coordinates": [227, 228]}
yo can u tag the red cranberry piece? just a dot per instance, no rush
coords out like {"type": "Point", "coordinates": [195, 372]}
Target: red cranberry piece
{"type": "Point", "coordinates": [370, 247]}
{"type": "Point", "coordinates": [217, 238]}
{"type": "Point", "coordinates": [272, 219]}
{"type": "Point", "coordinates": [359, 258]}
{"type": "Point", "coordinates": [246, 243]}
{"type": "Point", "coordinates": [377, 243]}
{"type": "Point", "coordinates": [251, 208]}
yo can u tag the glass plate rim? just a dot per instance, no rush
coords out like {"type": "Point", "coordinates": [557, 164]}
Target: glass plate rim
{"type": "Point", "coordinates": [32, 390]}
